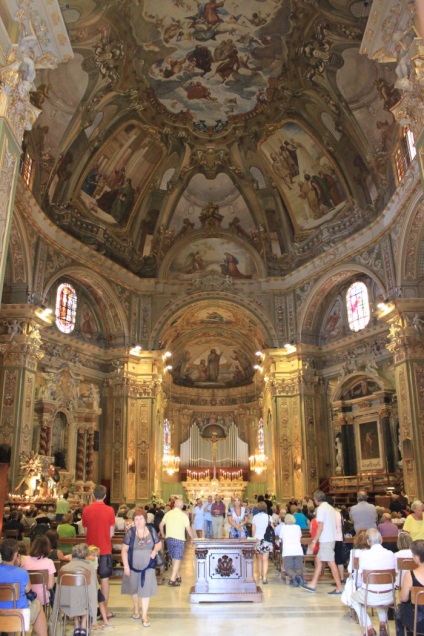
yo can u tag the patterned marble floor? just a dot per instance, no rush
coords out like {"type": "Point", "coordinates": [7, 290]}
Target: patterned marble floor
{"type": "Point", "coordinates": [283, 607]}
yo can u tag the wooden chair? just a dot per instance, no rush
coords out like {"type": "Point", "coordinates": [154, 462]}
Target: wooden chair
{"type": "Point", "coordinates": [11, 534]}
{"type": "Point", "coordinates": [377, 577]}
{"type": "Point", "coordinates": [12, 620]}
{"type": "Point", "coordinates": [356, 570]}
{"type": "Point", "coordinates": [10, 592]}
{"type": "Point", "coordinates": [65, 578]}
{"type": "Point", "coordinates": [417, 599]}
{"type": "Point", "coordinates": [404, 565]}
{"type": "Point", "coordinates": [41, 577]}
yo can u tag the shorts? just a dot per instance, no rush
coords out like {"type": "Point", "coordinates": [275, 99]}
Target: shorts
{"type": "Point", "coordinates": [339, 553]}
{"type": "Point", "coordinates": [34, 610]}
{"type": "Point", "coordinates": [326, 551]}
{"type": "Point", "coordinates": [175, 548]}
{"type": "Point", "coordinates": [105, 566]}
{"type": "Point", "coordinates": [263, 547]}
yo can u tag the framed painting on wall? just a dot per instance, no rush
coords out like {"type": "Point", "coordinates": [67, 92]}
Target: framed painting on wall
{"type": "Point", "coordinates": [369, 445]}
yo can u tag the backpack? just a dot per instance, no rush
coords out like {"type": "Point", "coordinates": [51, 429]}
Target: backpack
{"type": "Point", "coordinates": [269, 534]}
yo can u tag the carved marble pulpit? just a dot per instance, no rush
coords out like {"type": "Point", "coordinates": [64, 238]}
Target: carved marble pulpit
{"type": "Point", "coordinates": [224, 571]}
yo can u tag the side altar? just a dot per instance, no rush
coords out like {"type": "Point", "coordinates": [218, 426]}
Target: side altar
{"type": "Point", "coordinates": [224, 571]}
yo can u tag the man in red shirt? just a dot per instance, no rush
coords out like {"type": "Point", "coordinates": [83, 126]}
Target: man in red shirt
{"type": "Point", "coordinates": [98, 519]}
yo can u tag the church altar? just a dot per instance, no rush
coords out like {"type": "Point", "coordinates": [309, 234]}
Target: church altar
{"type": "Point", "coordinates": [228, 485]}
{"type": "Point", "coordinates": [224, 571]}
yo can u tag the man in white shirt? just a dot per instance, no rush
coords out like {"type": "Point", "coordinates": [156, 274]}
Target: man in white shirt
{"type": "Point", "coordinates": [326, 536]}
{"type": "Point", "coordinates": [376, 558]}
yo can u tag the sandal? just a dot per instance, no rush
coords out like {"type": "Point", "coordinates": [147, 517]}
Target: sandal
{"type": "Point", "coordinates": [179, 579]}
{"type": "Point", "coordinates": [111, 615]}
{"type": "Point", "coordinates": [136, 616]}
{"type": "Point", "coordinates": [174, 583]}
{"type": "Point", "coordinates": [145, 623]}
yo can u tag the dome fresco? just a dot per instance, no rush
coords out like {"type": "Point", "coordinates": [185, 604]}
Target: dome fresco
{"type": "Point", "coordinates": [261, 109]}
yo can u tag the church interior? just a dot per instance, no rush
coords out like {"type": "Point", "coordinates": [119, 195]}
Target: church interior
{"type": "Point", "coordinates": [211, 247]}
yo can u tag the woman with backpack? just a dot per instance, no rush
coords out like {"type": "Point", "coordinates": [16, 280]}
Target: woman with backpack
{"type": "Point", "coordinates": [139, 551]}
{"type": "Point", "coordinates": [263, 532]}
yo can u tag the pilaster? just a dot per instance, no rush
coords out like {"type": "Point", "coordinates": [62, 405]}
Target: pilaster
{"type": "Point", "coordinates": [32, 36]}
{"type": "Point", "coordinates": [405, 318]}
{"type": "Point", "coordinates": [20, 345]}
{"type": "Point", "coordinates": [134, 389]}
{"type": "Point", "coordinates": [292, 383]}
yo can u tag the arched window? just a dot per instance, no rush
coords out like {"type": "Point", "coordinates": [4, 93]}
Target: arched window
{"type": "Point", "coordinates": [166, 178]}
{"type": "Point", "coordinates": [258, 176]}
{"type": "Point", "coordinates": [358, 307]}
{"type": "Point", "coordinates": [66, 307]}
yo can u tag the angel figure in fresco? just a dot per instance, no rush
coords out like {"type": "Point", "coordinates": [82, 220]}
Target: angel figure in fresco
{"type": "Point", "coordinates": [209, 12]}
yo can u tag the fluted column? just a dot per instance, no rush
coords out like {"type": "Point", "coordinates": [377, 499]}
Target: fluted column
{"type": "Point", "coordinates": [43, 43]}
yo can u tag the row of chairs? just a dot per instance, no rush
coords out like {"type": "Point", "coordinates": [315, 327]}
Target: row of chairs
{"type": "Point", "coordinates": [388, 578]}
{"type": "Point", "coordinates": [13, 620]}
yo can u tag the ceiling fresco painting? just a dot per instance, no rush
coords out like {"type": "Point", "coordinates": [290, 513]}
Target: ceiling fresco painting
{"type": "Point", "coordinates": [217, 255]}
{"type": "Point", "coordinates": [213, 363]}
{"type": "Point", "coordinates": [212, 317]}
{"type": "Point", "coordinates": [211, 60]}
{"type": "Point", "coordinates": [254, 122]}
{"type": "Point", "coordinates": [201, 191]}
{"type": "Point", "coordinates": [115, 178]}
{"type": "Point", "coordinates": [306, 175]}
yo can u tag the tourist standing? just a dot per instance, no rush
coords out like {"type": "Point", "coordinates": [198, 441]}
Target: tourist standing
{"type": "Point", "coordinates": [208, 517]}
{"type": "Point", "coordinates": [198, 518]}
{"type": "Point", "coordinates": [62, 506]}
{"type": "Point", "coordinates": [139, 551]}
{"type": "Point", "coordinates": [260, 522]}
{"type": "Point", "coordinates": [99, 521]}
{"type": "Point", "coordinates": [173, 527]}
{"type": "Point", "coordinates": [326, 537]}
{"type": "Point", "coordinates": [218, 514]}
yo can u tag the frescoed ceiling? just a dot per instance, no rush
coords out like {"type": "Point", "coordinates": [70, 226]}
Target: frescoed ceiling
{"type": "Point", "coordinates": [254, 121]}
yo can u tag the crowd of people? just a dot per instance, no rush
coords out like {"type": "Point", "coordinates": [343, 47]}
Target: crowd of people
{"type": "Point", "coordinates": [313, 526]}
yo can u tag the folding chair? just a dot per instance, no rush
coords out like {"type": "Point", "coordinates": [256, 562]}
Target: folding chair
{"type": "Point", "coordinates": [65, 578]}
{"type": "Point", "coordinates": [404, 565]}
{"type": "Point", "coordinates": [12, 620]}
{"type": "Point", "coordinates": [41, 577]}
{"type": "Point", "coordinates": [378, 577]}
{"type": "Point", "coordinates": [10, 592]}
{"type": "Point", "coordinates": [417, 599]}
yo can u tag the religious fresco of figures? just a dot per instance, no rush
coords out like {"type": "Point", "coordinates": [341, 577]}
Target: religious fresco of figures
{"type": "Point", "coordinates": [306, 176]}
{"type": "Point", "coordinates": [211, 59]}
{"type": "Point", "coordinates": [115, 178]}
{"type": "Point", "coordinates": [333, 324]}
{"type": "Point", "coordinates": [214, 255]}
{"type": "Point", "coordinates": [213, 364]}
{"type": "Point", "coordinates": [208, 316]}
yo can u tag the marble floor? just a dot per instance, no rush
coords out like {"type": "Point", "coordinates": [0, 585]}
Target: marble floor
{"type": "Point", "coordinates": [283, 607]}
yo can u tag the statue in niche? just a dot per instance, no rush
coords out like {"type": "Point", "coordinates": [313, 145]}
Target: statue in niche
{"type": "Point", "coordinates": [339, 455]}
